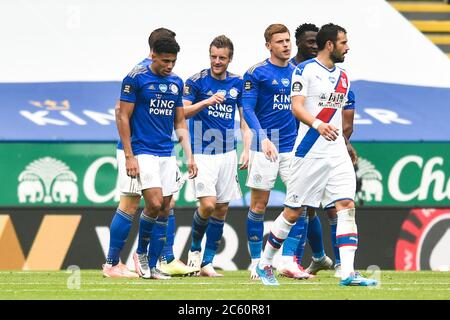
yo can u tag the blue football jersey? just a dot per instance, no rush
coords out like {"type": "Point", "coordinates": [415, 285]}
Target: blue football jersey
{"type": "Point", "coordinates": [147, 61]}
{"type": "Point", "coordinates": [212, 128]}
{"type": "Point", "coordinates": [266, 92]}
{"type": "Point", "coordinates": [156, 99]}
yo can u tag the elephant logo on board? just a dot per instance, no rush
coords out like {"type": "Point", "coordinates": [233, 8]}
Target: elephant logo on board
{"type": "Point", "coordinates": [372, 188]}
{"type": "Point", "coordinates": [47, 180]}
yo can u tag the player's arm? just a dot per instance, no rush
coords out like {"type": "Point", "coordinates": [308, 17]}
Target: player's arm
{"type": "Point", "coordinates": [348, 115]}
{"type": "Point", "coordinates": [191, 104]}
{"type": "Point", "coordinates": [299, 92]}
{"type": "Point", "coordinates": [128, 98]}
{"type": "Point", "coordinates": [191, 110]}
{"type": "Point", "coordinates": [123, 115]}
{"type": "Point", "coordinates": [249, 100]}
{"type": "Point", "coordinates": [246, 139]}
{"type": "Point", "coordinates": [182, 133]}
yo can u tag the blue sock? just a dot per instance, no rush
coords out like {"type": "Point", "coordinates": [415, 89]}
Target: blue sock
{"type": "Point", "coordinates": [198, 231]}
{"type": "Point", "coordinates": [255, 233]}
{"type": "Point", "coordinates": [315, 237]}
{"type": "Point", "coordinates": [213, 235]}
{"type": "Point", "coordinates": [333, 226]}
{"type": "Point", "coordinates": [301, 244]}
{"type": "Point", "coordinates": [291, 243]}
{"type": "Point", "coordinates": [167, 253]}
{"type": "Point", "coordinates": [157, 240]}
{"type": "Point", "coordinates": [146, 224]}
{"type": "Point", "coordinates": [118, 234]}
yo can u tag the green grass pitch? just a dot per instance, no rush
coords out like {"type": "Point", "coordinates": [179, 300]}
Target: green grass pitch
{"type": "Point", "coordinates": [234, 285]}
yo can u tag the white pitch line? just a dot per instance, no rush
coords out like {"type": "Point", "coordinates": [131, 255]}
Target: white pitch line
{"type": "Point", "coordinates": [164, 283]}
{"type": "Point", "coordinates": [212, 289]}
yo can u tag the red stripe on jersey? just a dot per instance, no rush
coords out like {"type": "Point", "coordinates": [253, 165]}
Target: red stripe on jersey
{"type": "Point", "coordinates": [326, 114]}
{"type": "Point", "coordinates": [342, 85]}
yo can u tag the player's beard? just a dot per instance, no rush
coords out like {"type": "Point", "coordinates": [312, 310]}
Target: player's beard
{"type": "Point", "coordinates": [336, 57]}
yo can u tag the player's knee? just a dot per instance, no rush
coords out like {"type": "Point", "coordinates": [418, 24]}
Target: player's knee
{"type": "Point", "coordinates": [154, 206]}
{"type": "Point", "coordinates": [207, 208]}
{"type": "Point", "coordinates": [259, 206]}
{"type": "Point", "coordinates": [345, 204]}
{"type": "Point", "coordinates": [129, 206]}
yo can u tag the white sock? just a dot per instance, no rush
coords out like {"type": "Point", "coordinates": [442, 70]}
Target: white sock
{"type": "Point", "coordinates": [346, 233]}
{"type": "Point", "coordinates": [279, 232]}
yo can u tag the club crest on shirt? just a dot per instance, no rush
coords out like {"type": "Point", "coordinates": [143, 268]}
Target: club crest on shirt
{"type": "Point", "coordinates": [173, 88]}
{"type": "Point", "coordinates": [332, 79]}
{"type": "Point", "coordinates": [163, 87]}
{"type": "Point", "coordinates": [222, 92]}
{"type": "Point", "coordinates": [233, 93]}
{"type": "Point", "coordinates": [285, 82]}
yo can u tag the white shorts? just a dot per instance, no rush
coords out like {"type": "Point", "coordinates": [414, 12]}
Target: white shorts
{"type": "Point", "coordinates": [217, 177]}
{"type": "Point", "coordinates": [315, 181]}
{"type": "Point", "coordinates": [155, 172]}
{"type": "Point", "coordinates": [262, 173]}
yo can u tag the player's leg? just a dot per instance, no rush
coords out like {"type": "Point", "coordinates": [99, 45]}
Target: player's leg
{"type": "Point", "coordinates": [213, 236]}
{"type": "Point", "coordinates": [300, 250]}
{"type": "Point", "coordinates": [288, 266]}
{"type": "Point", "coordinates": [158, 239]}
{"type": "Point", "coordinates": [227, 189]}
{"type": "Point", "coordinates": [255, 226]}
{"type": "Point", "coordinates": [320, 261]}
{"type": "Point", "coordinates": [118, 234]}
{"type": "Point", "coordinates": [122, 220]}
{"type": "Point", "coordinates": [340, 191]}
{"type": "Point", "coordinates": [278, 233]}
{"type": "Point", "coordinates": [262, 174]}
{"type": "Point", "coordinates": [149, 218]}
{"type": "Point", "coordinates": [167, 254]}
{"type": "Point", "coordinates": [332, 219]}
{"type": "Point", "coordinates": [200, 223]}
{"type": "Point", "coordinates": [205, 191]}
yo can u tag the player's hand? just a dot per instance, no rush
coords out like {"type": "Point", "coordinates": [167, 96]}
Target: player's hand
{"type": "Point", "coordinates": [192, 168]}
{"type": "Point", "coordinates": [269, 149]}
{"type": "Point", "coordinates": [328, 131]}
{"type": "Point", "coordinates": [244, 160]}
{"type": "Point", "coordinates": [132, 166]}
{"type": "Point", "coordinates": [215, 98]}
{"type": "Point", "coordinates": [352, 153]}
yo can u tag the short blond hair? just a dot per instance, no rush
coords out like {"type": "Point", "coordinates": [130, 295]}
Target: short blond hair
{"type": "Point", "coordinates": [273, 29]}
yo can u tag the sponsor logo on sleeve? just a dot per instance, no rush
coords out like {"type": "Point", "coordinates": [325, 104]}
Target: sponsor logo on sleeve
{"type": "Point", "coordinates": [127, 89]}
{"type": "Point", "coordinates": [297, 87]}
{"type": "Point", "coordinates": [247, 85]}
{"type": "Point", "coordinates": [187, 89]}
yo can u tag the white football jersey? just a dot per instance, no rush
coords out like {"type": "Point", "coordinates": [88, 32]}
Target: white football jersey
{"type": "Point", "coordinates": [326, 95]}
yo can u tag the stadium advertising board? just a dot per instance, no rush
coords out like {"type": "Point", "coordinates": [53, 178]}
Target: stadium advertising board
{"type": "Point", "coordinates": [53, 239]}
{"type": "Point", "coordinates": [77, 174]}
